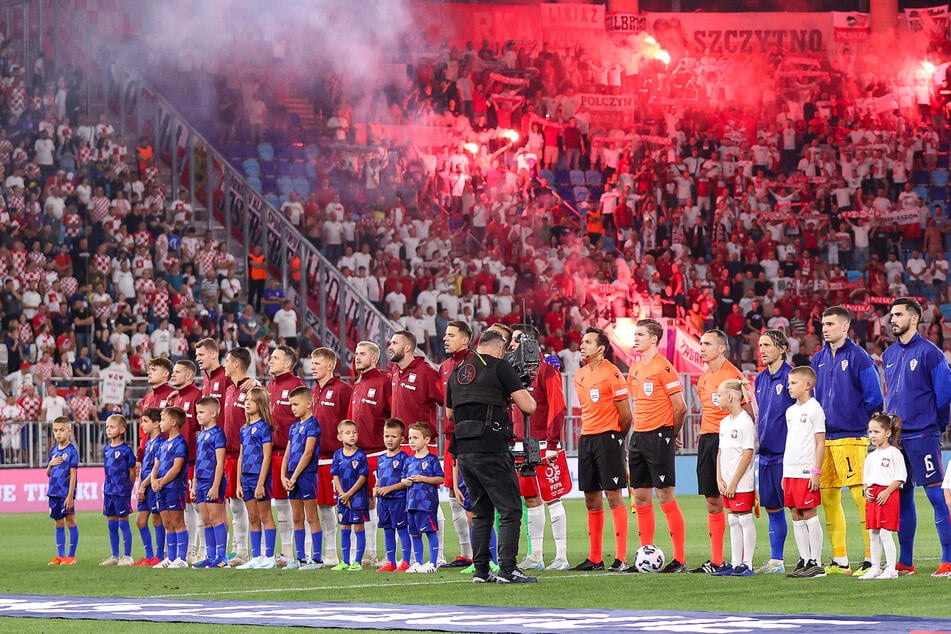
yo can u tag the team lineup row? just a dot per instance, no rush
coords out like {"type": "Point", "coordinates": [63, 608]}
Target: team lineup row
{"type": "Point", "coordinates": [837, 422]}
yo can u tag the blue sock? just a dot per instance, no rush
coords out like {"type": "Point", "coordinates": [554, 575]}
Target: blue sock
{"type": "Point", "coordinates": [255, 543]}
{"type": "Point", "coordinates": [73, 540]}
{"type": "Point", "coordinates": [417, 548]}
{"type": "Point", "coordinates": [345, 544]}
{"type": "Point", "coordinates": [317, 545]}
{"type": "Point", "coordinates": [406, 546]}
{"type": "Point", "coordinates": [940, 506]}
{"type": "Point", "coordinates": [361, 546]}
{"type": "Point", "coordinates": [777, 533]}
{"type": "Point", "coordinates": [172, 546]}
{"type": "Point", "coordinates": [160, 542]}
{"type": "Point", "coordinates": [126, 529]}
{"type": "Point", "coordinates": [493, 546]}
{"type": "Point", "coordinates": [211, 542]}
{"type": "Point", "coordinates": [270, 538]}
{"type": "Point", "coordinates": [60, 541]}
{"type": "Point", "coordinates": [183, 544]}
{"type": "Point", "coordinates": [908, 524]}
{"type": "Point", "coordinates": [221, 543]}
{"type": "Point", "coordinates": [433, 547]}
{"type": "Point", "coordinates": [114, 537]}
{"type": "Point", "coordinates": [146, 536]}
{"type": "Point", "coordinates": [389, 542]}
{"type": "Point", "coordinates": [299, 542]}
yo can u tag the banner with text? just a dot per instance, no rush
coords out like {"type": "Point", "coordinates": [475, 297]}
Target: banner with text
{"type": "Point", "coordinates": [851, 26]}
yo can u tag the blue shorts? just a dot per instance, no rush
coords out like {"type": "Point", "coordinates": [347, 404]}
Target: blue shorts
{"type": "Point", "coordinates": [923, 459]}
{"type": "Point", "coordinates": [420, 522]}
{"type": "Point", "coordinates": [171, 499]}
{"type": "Point", "coordinates": [348, 517]}
{"type": "Point", "coordinates": [391, 512]}
{"type": "Point", "coordinates": [771, 484]}
{"type": "Point", "coordinates": [58, 508]}
{"type": "Point", "coordinates": [305, 488]}
{"type": "Point", "coordinates": [150, 503]}
{"type": "Point", "coordinates": [466, 502]}
{"type": "Point", "coordinates": [116, 505]}
{"type": "Point", "coordinates": [203, 488]}
{"type": "Point", "coordinates": [249, 482]}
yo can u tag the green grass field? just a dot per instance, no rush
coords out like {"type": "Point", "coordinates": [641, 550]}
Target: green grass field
{"type": "Point", "coordinates": [28, 545]}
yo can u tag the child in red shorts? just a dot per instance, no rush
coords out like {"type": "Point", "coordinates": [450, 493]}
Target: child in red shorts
{"type": "Point", "coordinates": [883, 475]}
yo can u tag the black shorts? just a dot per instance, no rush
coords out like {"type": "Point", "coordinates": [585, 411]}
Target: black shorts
{"type": "Point", "coordinates": [707, 450]}
{"type": "Point", "coordinates": [601, 462]}
{"type": "Point", "coordinates": [651, 458]}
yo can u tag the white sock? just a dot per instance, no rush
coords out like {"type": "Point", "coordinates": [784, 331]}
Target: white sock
{"type": "Point", "coordinates": [801, 534]}
{"type": "Point", "coordinates": [370, 528]}
{"type": "Point", "coordinates": [239, 526]}
{"type": "Point", "coordinates": [328, 524]}
{"type": "Point", "coordinates": [888, 545]}
{"type": "Point", "coordinates": [285, 527]}
{"type": "Point", "coordinates": [441, 533]}
{"type": "Point", "coordinates": [749, 537]}
{"type": "Point", "coordinates": [736, 539]}
{"type": "Point", "coordinates": [192, 518]}
{"type": "Point", "coordinates": [875, 547]}
{"type": "Point", "coordinates": [559, 528]}
{"type": "Point", "coordinates": [461, 523]}
{"type": "Point", "coordinates": [814, 526]}
{"type": "Point", "coordinates": [536, 532]}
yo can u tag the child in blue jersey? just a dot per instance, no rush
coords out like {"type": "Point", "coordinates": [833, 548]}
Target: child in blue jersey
{"type": "Point", "coordinates": [391, 496]}
{"type": "Point", "coordinates": [61, 467]}
{"type": "Point", "coordinates": [168, 481]}
{"type": "Point", "coordinates": [118, 461]}
{"type": "Point", "coordinates": [299, 477]}
{"type": "Point", "coordinates": [210, 483]}
{"type": "Point", "coordinates": [147, 499]}
{"type": "Point", "coordinates": [422, 476]}
{"type": "Point", "coordinates": [350, 471]}
{"type": "Point", "coordinates": [254, 467]}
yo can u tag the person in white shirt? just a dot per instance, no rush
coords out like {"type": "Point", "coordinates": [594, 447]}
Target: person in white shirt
{"type": "Point", "coordinates": [53, 405]}
{"type": "Point", "coordinates": [293, 209]}
{"type": "Point", "coordinates": [161, 339]}
{"type": "Point", "coordinates": [287, 323]}
{"type": "Point", "coordinates": [395, 302]}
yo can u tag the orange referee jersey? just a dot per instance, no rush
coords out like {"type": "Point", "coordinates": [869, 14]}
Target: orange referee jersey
{"type": "Point", "coordinates": [707, 391]}
{"type": "Point", "coordinates": [651, 385]}
{"type": "Point", "coordinates": [597, 391]}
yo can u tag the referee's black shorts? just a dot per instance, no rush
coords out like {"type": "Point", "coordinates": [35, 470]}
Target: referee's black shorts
{"type": "Point", "coordinates": [651, 458]}
{"type": "Point", "coordinates": [707, 450]}
{"type": "Point", "coordinates": [601, 462]}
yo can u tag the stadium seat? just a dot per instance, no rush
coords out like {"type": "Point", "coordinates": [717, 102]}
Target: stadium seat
{"type": "Point", "coordinates": [549, 176]}
{"type": "Point", "coordinates": [282, 153]}
{"type": "Point", "coordinates": [581, 194]}
{"type": "Point", "coordinates": [273, 200]}
{"type": "Point", "coordinates": [269, 183]}
{"type": "Point", "coordinates": [266, 152]}
{"type": "Point", "coordinates": [282, 199]}
{"type": "Point", "coordinates": [921, 192]}
{"type": "Point", "coordinates": [298, 153]}
{"type": "Point", "coordinates": [921, 177]}
{"type": "Point", "coordinates": [565, 192]}
{"type": "Point", "coordinates": [576, 177]}
{"type": "Point", "coordinates": [939, 177]}
{"type": "Point", "coordinates": [946, 311]}
{"type": "Point", "coordinates": [251, 167]}
{"type": "Point", "coordinates": [942, 159]}
{"type": "Point", "coordinates": [301, 185]}
{"type": "Point", "coordinates": [854, 276]}
{"type": "Point", "coordinates": [938, 194]}
{"type": "Point", "coordinates": [300, 169]}
{"type": "Point", "coordinates": [312, 152]}
{"type": "Point", "coordinates": [255, 183]}
{"type": "Point", "coordinates": [285, 185]}
{"type": "Point", "coordinates": [562, 177]}
{"type": "Point", "coordinates": [593, 178]}
{"type": "Point", "coordinates": [268, 168]}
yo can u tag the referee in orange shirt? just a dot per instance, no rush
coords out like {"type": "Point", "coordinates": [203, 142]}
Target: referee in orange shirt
{"type": "Point", "coordinates": [659, 411]}
{"type": "Point", "coordinates": [605, 420]}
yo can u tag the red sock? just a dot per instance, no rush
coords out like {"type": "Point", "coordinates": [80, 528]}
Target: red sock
{"type": "Point", "coordinates": [675, 522]}
{"type": "Point", "coordinates": [716, 522]}
{"type": "Point", "coordinates": [596, 536]}
{"type": "Point", "coordinates": [645, 524]}
{"type": "Point", "coordinates": [619, 515]}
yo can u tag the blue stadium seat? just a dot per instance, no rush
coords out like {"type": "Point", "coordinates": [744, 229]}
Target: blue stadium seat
{"type": "Point", "coordinates": [251, 167]}
{"type": "Point", "coordinates": [269, 183]}
{"type": "Point", "coordinates": [942, 159]}
{"type": "Point", "coordinates": [593, 178]}
{"type": "Point", "coordinates": [854, 276]}
{"type": "Point", "coordinates": [282, 153]}
{"type": "Point", "coordinates": [273, 200]}
{"type": "Point", "coordinates": [549, 176]}
{"type": "Point", "coordinates": [266, 152]}
{"type": "Point", "coordinates": [939, 177]}
{"type": "Point", "coordinates": [565, 192]}
{"type": "Point", "coordinates": [562, 177]}
{"type": "Point", "coordinates": [300, 169]}
{"type": "Point", "coordinates": [581, 193]}
{"type": "Point", "coordinates": [946, 311]}
{"type": "Point", "coordinates": [576, 177]}
{"type": "Point", "coordinates": [301, 185]}
{"type": "Point", "coordinates": [298, 153]}
{"type": "Point", "coordinates": [255, 183]}
{"type": "Point", "coordinates": [921, 192]}
{"type": "Point", "coordinates": [312, 152]}
{"type": "Point", "coordinates": [283, 199]}
{"type": "Point", "coordinates": [921, 177]}
{"type": "Point", "coordinates": [938, 194]}
{"type": "Point", "coordinates": [285, 185]}
{"type": "Point", "coordinates": [268, 168]}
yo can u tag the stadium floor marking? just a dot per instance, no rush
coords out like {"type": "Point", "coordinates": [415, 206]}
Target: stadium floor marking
{"type": "Point", "coordinates": [465, 618]}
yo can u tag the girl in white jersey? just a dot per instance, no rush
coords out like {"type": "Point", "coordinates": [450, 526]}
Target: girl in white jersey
{"type": "Point", "coordinates": [883, 475]}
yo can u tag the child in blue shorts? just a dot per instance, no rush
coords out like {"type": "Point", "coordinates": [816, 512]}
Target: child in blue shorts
{"type": "Point", "coordinates": [61, 467]}
{"type": "Point", "coordinates": [118, 461]}
{"type": "Point", "coordinates": [168, 481]}
{"type": "Point", "coordinates": [391, 496]}
{"type": "Point", "coordinates": [422, 477]}
{"type": "Point", "coordinates": [147, 499]}
{"type": "Point", "coordinates": [254, 465]}
{"type": "Point", "coordinates": [299, 477]}
{"type": "Point", "coordinates": [350, 470]}
{"type": "Point", "coordinates": [211, 482]}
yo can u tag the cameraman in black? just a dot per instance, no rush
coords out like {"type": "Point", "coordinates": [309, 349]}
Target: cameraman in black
{"type": "Point", "coordinates": [477, 399]}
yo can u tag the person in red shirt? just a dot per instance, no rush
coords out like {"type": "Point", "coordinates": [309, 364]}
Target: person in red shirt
{"type": "Point", "coordinates": [237, 362]}
{"type": "Point", "coordinates": [331, 402]}
{"type": "Point", "coordinates": [281, 367]}
{"type": "Point", "coordinates": [456, 344]}
{"type": "Point", "coordinates": [370, 404]}
{"type": "Point", "coordinates": [185, 396]}
{"type": "Point", "coordinates": [159, 396]}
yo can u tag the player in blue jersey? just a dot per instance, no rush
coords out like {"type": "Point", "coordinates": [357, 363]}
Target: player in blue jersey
{"type": "Point", "coordinates": [168, 481]}
{"type": "Point", "coordinates": [391, 496]}
{"type": "Point", "coordinates": [62, 466]}
{"type": "Point", "coordinates": [918, 383]}
{"type": "Point", "coordinates": [147, 499]}
{"type": "Point", "coordinates": [210, 483]}
{"type": "Point", "coordinates": [773, 400]}
{"type": "Point", "coordinates": [254, 466]}
{"type": "Point", "coordinates": [350, 471]}
{"type": "Point", "coordinates": [118, 462]}
{"type": "Point", "coordinates": [422, 476]}
{"type": "Point", "coordinates": [850, 390]}
{"type": "Point", "coordinates": [299, 477]}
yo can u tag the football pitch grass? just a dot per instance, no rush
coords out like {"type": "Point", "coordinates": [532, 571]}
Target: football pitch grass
{"type": "Point", "coordinates": [28, 544]}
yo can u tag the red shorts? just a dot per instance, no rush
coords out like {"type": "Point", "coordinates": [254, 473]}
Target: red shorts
{"type": "Point", "coordinates": [277, 487]}
{"type": "Point", "coordinates": [189, 499]}
{"type": "Point", "coordinates": [325, 483]}
{"type": "Point", "coordinates": [740, 503]}
{"type": "Point", "coordinates": [882, 515]}
{"type": "Point", "coordinates": [528, 486]}
{"type": "Point", "coordinates": [447, 463]}
{"type": "Point", "coordinates": [231, 473]}
{"type": "Point", "coordinates": [796, 494]}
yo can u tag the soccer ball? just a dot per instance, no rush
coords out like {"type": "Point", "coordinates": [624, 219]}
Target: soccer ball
{"type": "Point", "coordinates": [649, 558]}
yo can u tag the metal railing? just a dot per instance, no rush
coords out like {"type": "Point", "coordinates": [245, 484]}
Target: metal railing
{"type": "Point", "coordinates": [27, 444]}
